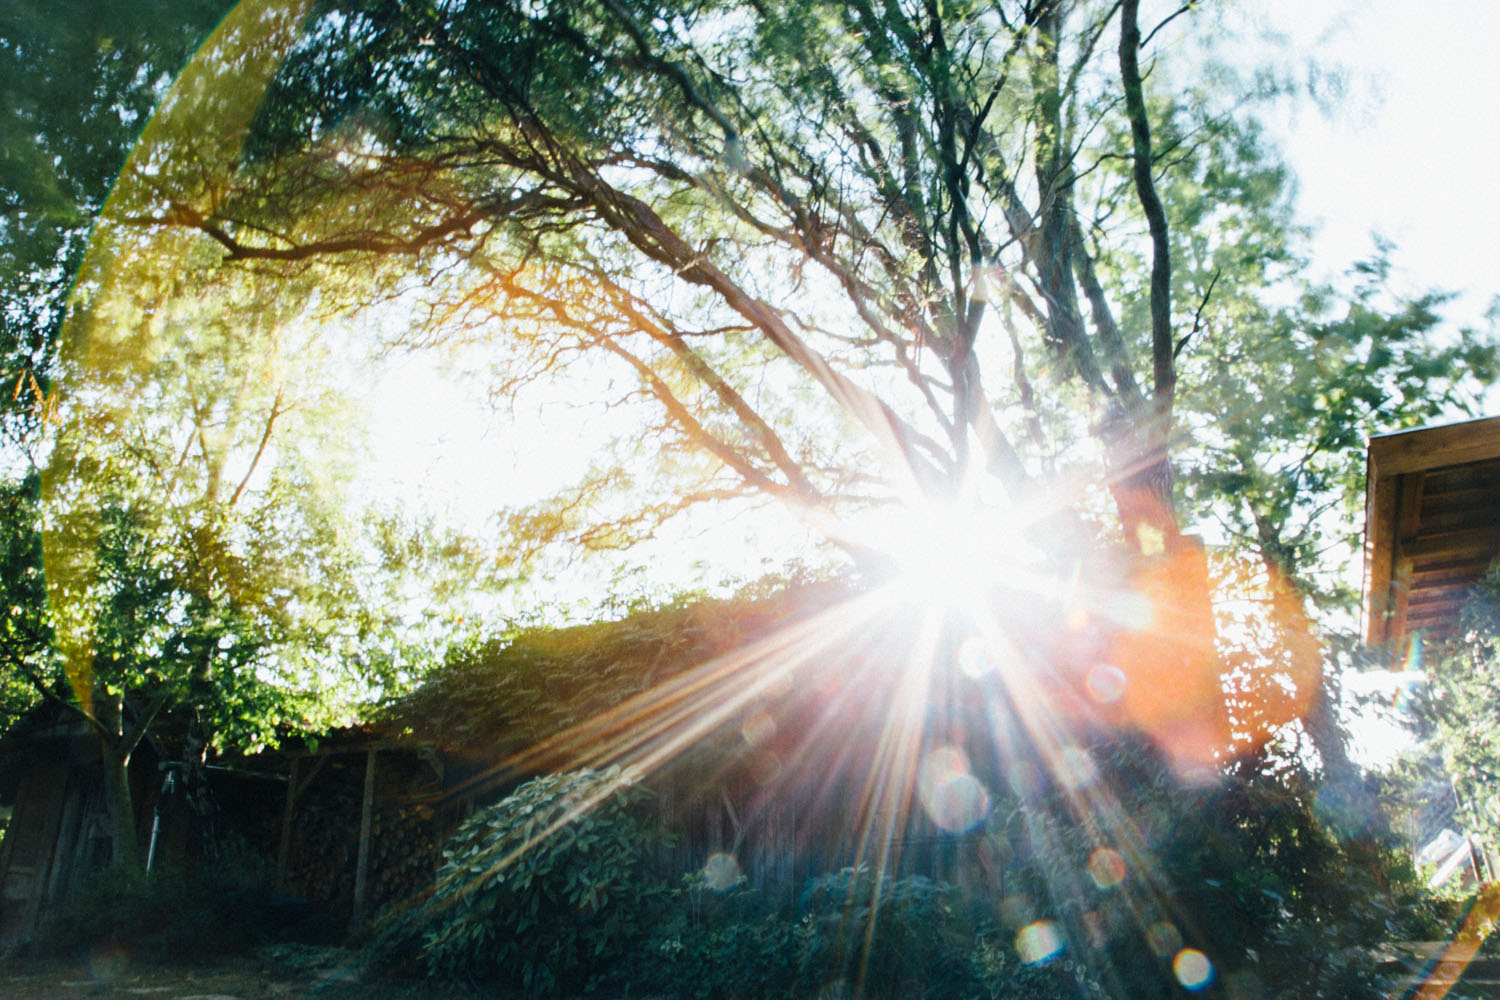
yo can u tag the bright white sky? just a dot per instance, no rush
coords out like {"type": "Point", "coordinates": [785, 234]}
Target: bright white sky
{"type": "Point", "coordinates": [1411, 151]}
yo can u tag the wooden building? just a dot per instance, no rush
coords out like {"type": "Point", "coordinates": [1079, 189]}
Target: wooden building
{"type": "Point", "coordinates": [1432, 528]}
{"type": "Point", "coordinates": [52, 780]}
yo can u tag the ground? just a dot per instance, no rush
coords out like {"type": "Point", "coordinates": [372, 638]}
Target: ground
{"type": "Point", "coordinates": [282, 972]}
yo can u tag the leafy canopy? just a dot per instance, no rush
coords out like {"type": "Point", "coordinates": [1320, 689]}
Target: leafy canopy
{"type": "Point", "coordinates": [843, 255]}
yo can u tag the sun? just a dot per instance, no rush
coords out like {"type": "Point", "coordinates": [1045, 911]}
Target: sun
{"type": "Point", "coordinates": [955, 553]}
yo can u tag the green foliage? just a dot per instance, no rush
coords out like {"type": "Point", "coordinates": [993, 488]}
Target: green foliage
{"type": "Point", "coordinates": [81, 78]}
{"type": "Point", "coordinates": [218, 907]}
{"type": "Point", "coordinates": [1245, 870]}
{"type": "Point", "coordinates": [25, 631]}
{"type": "Point", "coordinates": [908, 936]}
{"type": "Point", "coordinates": [852, 934]}
{"type": "Point", "coordinates": [513, 691]}
{"type": "Point", "coordinates": [550, 890]}
{"type": "Point", "coordinates": [1456, 714]}
{"type": "Point", "coordinates": [724, 943]}
{"type": "Point", "coordinates": [1299, 388]}
{"type": "Point", "coordinates": [1259, 862]}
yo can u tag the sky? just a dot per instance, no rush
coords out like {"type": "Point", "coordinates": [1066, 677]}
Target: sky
{"type": "Point", "coordinates": [1410, 152]}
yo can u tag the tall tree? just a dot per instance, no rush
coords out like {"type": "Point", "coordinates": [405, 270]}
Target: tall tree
{"type": "Point", "coordinates": [172, 530]}
{"type": "Point", "coordinates": [1283, 471]}
{"type": "Point", "coordinates": [851, 255]}
{"type": "Point", "coordinates": [81, 78]}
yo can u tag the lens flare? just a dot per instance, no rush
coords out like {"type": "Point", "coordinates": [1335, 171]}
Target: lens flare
{"type": "Point", "coordinates": [1075, 768]}
{"type": "Point", "coordinates": [1106, 868]}
{"type": "Point", "coordinates": [954, 554]}
{"type": "Point", "coordinates": [721, 872]}
{"type": "Point", "coordinates": [765, 767]}
{"type": "Point", "coordinates": [1193, 969]}
{"type": "Point", "coordinates": [1105, 683]}
{"type": "Point", "coordinates": [1025, 779]}
{"type": "Point", "coordinates": [1016, 910]}
{"type": "Point", "coordinates": [977, 658]}
{"type": "Point", "coordinates": [758, 729]}
{"type": "Point", "coordinates": [953, 798]}
{"type": "Point", "coordinates": [1164, 938]}
{"type": "Point", "coordinates": [1037, 942]}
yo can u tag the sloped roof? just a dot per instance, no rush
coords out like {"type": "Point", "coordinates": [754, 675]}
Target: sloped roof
{"type": "Point", "coordinates": [1432, 526]}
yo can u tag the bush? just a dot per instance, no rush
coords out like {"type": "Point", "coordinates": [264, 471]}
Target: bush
{"type": "Point", "coordinates": [179, 913]}
{"type": "Point", "coordinates": [899, 935]}
{"type": "Point", "coordinates": [851, 934]}
{"type": "Point", "coordinates": [715, 943]}
{"type": "Point", "coordinates": [551, 890]}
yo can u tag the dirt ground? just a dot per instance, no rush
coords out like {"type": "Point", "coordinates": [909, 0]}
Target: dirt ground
{"type": "Point", "coordinates": [283, 972]}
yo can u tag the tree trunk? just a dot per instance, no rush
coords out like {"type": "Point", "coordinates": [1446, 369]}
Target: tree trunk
{"type": "Point", "coordinates": [114, 753]}
{"type": "Point", "coordinates": [120, 805]}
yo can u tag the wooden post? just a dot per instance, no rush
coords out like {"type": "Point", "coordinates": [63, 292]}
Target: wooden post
{"type": "Point", "coordinates": [284, 850]}
{"type": "Point", "coordinates": [362, 866]}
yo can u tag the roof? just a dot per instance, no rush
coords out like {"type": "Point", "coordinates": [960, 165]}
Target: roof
{"type": "Point", "coordinates": [1432, 526]}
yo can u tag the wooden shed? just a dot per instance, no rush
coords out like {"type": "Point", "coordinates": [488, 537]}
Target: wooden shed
{"type": "Point", "coordinates": [1432, 527]}
{"type": "Point", "coordinates": [51, 777]}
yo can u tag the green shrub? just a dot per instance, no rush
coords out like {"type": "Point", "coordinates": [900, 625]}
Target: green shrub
{"type": "Point", "coordinates": [851, 934]}
{"type": "Point", "coordinates": [899, 935]}
{"type": "Point", "coordinates": [716, 943]}
{"type": "Point", "coordinates": [216, 908]}
{"type": "Point", "coordinates": [551, 890]}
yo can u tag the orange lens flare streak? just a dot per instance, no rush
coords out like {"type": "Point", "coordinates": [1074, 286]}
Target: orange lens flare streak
{"type": "Point", "coordinates": [1459, 952]}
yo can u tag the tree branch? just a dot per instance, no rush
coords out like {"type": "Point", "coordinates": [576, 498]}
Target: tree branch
{"type": "Point", "coordinates": [265, 439]}
{"type": "Point", "coordinates": [1198, 315]}
{"type": "Point", "coordinates": [1163, 370]}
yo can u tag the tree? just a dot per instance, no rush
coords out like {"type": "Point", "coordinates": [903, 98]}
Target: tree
{"type": "Point", "coordinates": [173, 521]}
{"type": "Point", "coordinates": [950, 261]}
{"type": "Point", "coordinates": [1283, 470]}
{"type": "Point", "coordinates": [203, 553]}
{"type": "Point", "coordinates": [583, 160]}
{"type": "Point", "coordinates": [181, 575]}
{"type": "Point", "coordinates": [83, 77]}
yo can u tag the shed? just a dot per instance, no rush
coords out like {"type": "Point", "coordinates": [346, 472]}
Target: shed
{"type": "Point", "coordinates": [51, 777]}
{"type": "Point", "coordinates": [1432, 527]}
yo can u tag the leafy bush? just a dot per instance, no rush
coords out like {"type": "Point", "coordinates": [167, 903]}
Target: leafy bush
{"type": "Point", "coordinates": [554, 891]}
{"type": "Point", "coordinates": [1245, 870]}
{"type": "Point", "coordinates": [550, 890]}
{"type": "Point", "coordinates": [721, 947]}
{"type": "Point", "coordinates": [902, 935]}
{"type": "Point", "coordinates": [851, 934]}
{"type": "Point", "coordinates": [217, 908]}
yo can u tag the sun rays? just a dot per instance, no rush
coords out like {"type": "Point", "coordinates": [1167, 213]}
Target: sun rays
{"type": "Point", "coordinates": [975, 673]}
